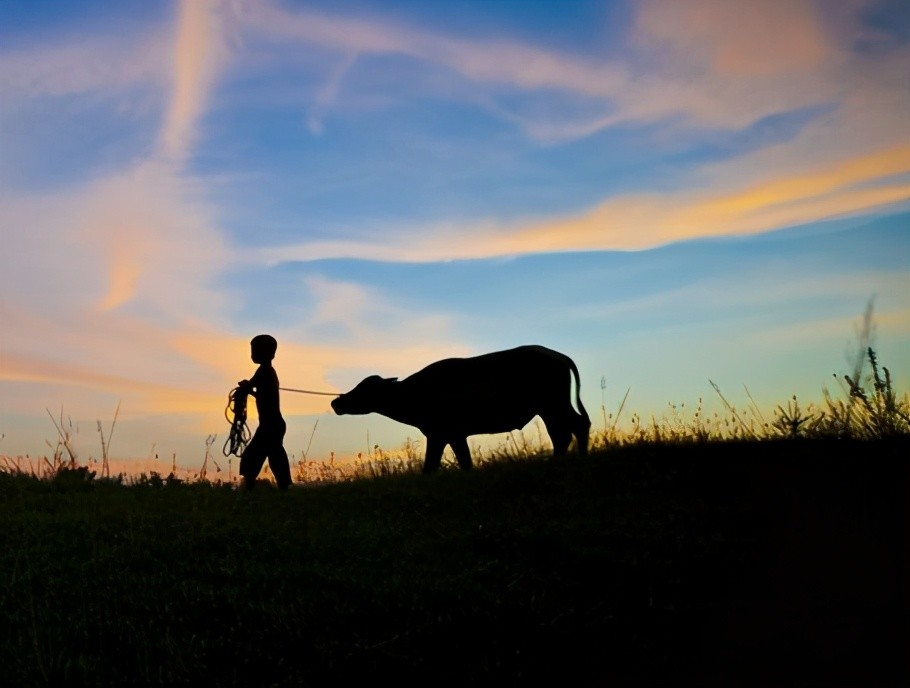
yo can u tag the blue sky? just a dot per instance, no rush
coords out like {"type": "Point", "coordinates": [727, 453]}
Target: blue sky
{"type": "Point", "coordinates": [667, 191]}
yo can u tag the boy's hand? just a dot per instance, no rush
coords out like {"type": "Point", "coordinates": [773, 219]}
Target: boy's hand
{"type": "Point", "coordinates": [244, 384]}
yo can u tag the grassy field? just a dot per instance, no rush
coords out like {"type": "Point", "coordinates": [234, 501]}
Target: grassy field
{"type": "Point", "coordinates": [730, 550]}
{"type": "Point", "coordinates": [729, 563]}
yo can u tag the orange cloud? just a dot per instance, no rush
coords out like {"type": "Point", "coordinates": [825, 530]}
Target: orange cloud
{"type": "Point", "coordinates": [869, 168]}
{"type": "Point", "coordinates": [109, 353]}
{"type": "Point", "coordinates": [145, 396]}
{"type": "Point", "coordinates": [738, 38]}
{"type": "Point", "coordinates": [123, 273]}
{"type": "Point", "coordinates": [642, 221]}
{"type": "Point", "coordinates": [650, 220]}
{"type": "Point", "coordinates": [197, 52]}
{"type": "Point", "coordinates": [150, 235]}
{"type": "Point", "coordinates": [23, 368]}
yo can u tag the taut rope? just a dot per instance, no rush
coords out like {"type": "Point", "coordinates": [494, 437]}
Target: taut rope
{"type": "Point", "coordinates": [309, 391]}
{"type": "Point", "coordinates": [235, 413]}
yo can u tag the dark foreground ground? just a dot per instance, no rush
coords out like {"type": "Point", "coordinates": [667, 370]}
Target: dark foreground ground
{"type": "Point", "coordinates": [764, 564]}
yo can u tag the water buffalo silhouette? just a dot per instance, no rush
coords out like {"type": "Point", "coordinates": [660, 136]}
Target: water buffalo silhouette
{"type": "Point", "coordinates": [451, 399]}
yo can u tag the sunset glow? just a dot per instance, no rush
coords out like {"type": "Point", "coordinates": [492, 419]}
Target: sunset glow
{"type": "Point", "coordinates": [666, 190]}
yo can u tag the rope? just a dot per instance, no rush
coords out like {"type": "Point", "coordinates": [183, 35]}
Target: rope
{"type": "Point", "coordinates": [308, 391]}
{"type": "Point", "coordinates": [235, 413]}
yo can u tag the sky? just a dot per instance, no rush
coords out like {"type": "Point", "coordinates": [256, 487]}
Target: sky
{"type": "Point", "coordinates": [674, 193]}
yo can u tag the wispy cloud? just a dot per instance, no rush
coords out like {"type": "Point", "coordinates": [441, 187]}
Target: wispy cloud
{"type": "Point", "coordinates": [505, 63]}
{"type": "Point", "coordinates": [149, 225]}
{"type": "Point", "coordinates": [325, 97]}
{"type": "Point", "coordinates": [117, 264]}
{"type": "Point", "coordinates": [648, 220]}
{"type": "Point", "coordinates": [508, 62]}
{"type": "Point", "coordinates": [710, 63]}
{"type": "Point", "coordinates": [144, 236]}
{"type": "Point", "coordinates": [199, 51]}
{"type": "Point", "coordinates": [102, 63]}
{"type": "Point", "coordinates": [692, 65]}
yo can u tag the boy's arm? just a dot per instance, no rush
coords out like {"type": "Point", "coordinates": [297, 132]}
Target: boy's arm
{"type": "Point", "coordinates": [248, 386]}
{"type": "Point", "coordinates": [255, 383]}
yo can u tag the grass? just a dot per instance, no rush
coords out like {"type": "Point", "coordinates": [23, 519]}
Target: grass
{"type": "Point", "coordinates": [729, 550]}
{"type": "Point", "coordinates": [732, 562]}
{"type": "Point", "coordinates": [869, 408]}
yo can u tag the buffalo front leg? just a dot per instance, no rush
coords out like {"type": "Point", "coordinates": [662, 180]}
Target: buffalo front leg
{"type": "Point", "coordinates": [435, 446]}
{"type": "Point", "coordinates": [462, 453]}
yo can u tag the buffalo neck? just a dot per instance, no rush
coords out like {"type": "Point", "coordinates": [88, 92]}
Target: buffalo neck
{"type": "Point", "coordinates": [398, 405]}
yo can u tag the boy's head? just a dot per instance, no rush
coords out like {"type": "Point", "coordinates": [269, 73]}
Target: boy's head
{"type": "Point", "coordinates": [263, 348]}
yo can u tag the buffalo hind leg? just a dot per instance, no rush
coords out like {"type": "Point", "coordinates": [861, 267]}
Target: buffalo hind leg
{"type": "Point", "coordinates": [560, 436]}
{"type": "Point", "coordinates": [435, 447]}
{"type": "Point", "coordinates": [582, 431]}
{"type": "Point", "coordinates": [462, 453]}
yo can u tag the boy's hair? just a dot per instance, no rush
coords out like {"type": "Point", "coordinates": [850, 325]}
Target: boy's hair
{"type": "Point", "coordinates": [265, 343]}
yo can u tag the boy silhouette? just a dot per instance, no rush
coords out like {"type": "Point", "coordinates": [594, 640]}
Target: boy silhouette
{"type": "Point", "coordinates": [268, 440]}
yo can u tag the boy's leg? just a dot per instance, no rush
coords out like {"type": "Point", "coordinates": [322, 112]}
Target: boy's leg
{"type": "Point", "coordinates": [252, 460]}
{"type": "Point", "coordinates": [278, 461]}
{"type": "Point", "coordinates": [280, 465]}
{"type": "Point", "coordinates": [278, 457]}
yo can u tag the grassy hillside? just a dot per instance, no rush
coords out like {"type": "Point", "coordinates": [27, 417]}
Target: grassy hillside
{"type": "Point", "coordinates": [766, 563]}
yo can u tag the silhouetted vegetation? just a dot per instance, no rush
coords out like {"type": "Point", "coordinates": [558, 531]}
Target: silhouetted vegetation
{"type": "Point", "coordinates": [742, 562]}
{"type": "Point", "coordinates": [869, 408]}
{"type": "Point", "coordinates": [730, 550]}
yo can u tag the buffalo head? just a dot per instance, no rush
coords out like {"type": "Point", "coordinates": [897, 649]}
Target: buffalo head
{"type": "Point", "coordinates": [365, 397]}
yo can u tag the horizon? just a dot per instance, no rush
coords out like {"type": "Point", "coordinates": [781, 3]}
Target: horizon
{"type": "Point", "coordinates": [643, 185]}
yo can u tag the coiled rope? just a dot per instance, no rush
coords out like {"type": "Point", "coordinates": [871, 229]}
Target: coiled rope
{"type": "Point", "coordinates": [235, 413]}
